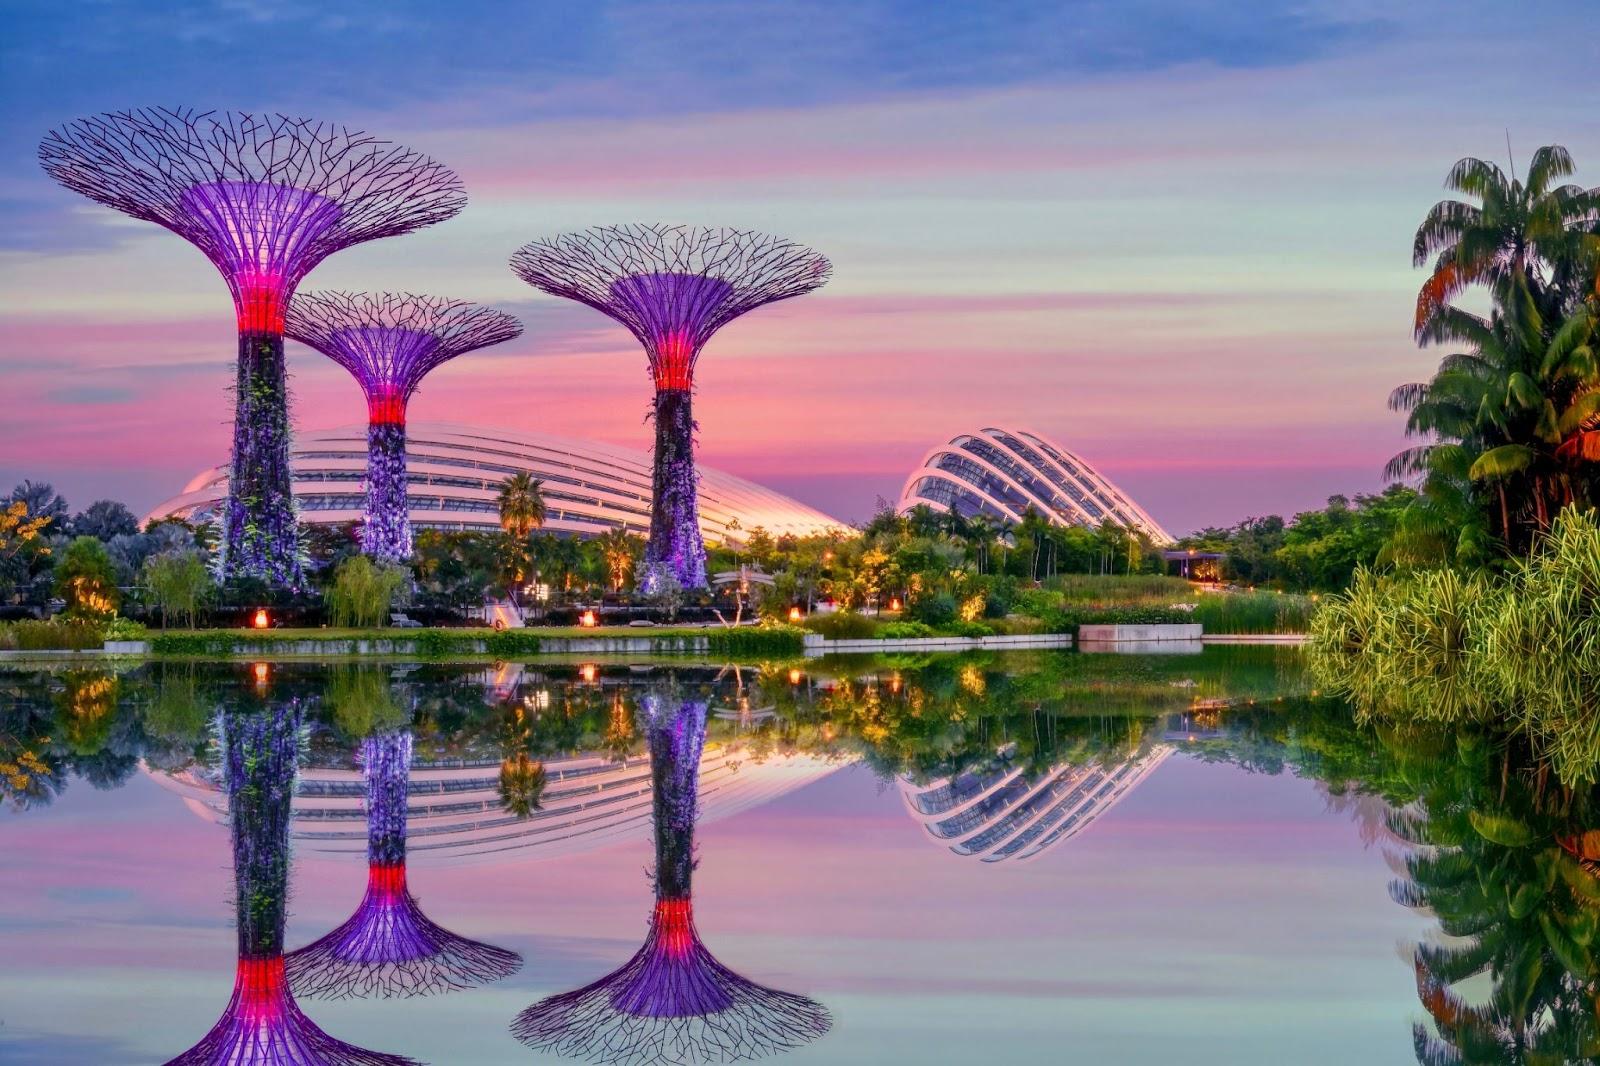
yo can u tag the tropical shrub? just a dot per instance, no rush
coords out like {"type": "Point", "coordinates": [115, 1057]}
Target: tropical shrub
{"type": "Point", "coordinates": [180, 584]}
{"type": "Point", "coordinates": [87, 580]}
{"type": "Point", "coordinates": [363, 592]}
{"type": "Point", "coordinates": [905, 630]}
{"type": "Point", "coordinates": [842, 625]}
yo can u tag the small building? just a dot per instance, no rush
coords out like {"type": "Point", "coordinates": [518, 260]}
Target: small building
{"type": "Point", "coordinates": [1194, 564]}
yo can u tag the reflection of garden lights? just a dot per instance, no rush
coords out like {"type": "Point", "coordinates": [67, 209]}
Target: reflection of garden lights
{"type": "Point", "coordinates": [587, 672]}
{"type": "Point", "coordinates": [260, 670]}
{"type": "Point", "coordinates": [260, 619]}
{"type": "Point", "coordinates": [794, 677]}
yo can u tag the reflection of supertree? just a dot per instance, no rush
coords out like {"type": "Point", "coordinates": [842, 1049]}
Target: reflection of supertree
{"type": "Point", "coordinates": [673, 1002]}
{"type": "Point", "coordinates": [389, 342]}
{"type": "Point", "coordinates": [389, 947]}
{"type": "Point", "coordinates": [262, 1025]}
{"type": "Point", "coordinates": [673, 287]}
{"type": "Point", "coordinates": [266, 198]}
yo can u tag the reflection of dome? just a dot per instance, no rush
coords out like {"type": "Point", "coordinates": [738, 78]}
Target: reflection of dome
{"type": "Point", "coordinates": [1001, 473]}
{"type": "Point", "coordinates": [454, 473]}
{"type": "Point", "coordinates": [1006, 814]}
{"type": "Point", "coordinates": [455, 813]}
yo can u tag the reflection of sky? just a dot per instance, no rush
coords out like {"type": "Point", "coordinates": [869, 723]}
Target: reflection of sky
{"type": "Point", "coordinates": [1213, 917]}
{"type": "Point", "coordinates": [1225, 191]}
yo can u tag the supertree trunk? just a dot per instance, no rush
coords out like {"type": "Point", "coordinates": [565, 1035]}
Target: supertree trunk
{"type": "Point", "coordinates": [386, 531]}
{"type": "Point", "coordinates": [673, 1002]}
{"type": "Point", "coordinates": [262, 1026]}
{"type": "Point", "coordinates": [260, 538]}
{"type": "Point", "coordinates": [675, 547]}
{"type": "Point", "coordinates": [389, 947]}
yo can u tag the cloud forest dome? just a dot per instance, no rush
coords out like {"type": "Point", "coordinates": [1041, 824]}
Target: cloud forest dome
{"type": "Point", "coordinates": [1001, 473]}
{"type": "Point", "coordinates": [454, 473]}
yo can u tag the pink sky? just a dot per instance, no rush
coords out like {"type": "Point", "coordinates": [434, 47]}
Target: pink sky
{"type": "Point", "coordinates": [1197, 278]}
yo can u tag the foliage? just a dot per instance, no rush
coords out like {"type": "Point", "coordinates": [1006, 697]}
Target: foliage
{"type": "Point", "coordinates": [179, 586]}
{"type": "Point", "coordinates": [364, 591]}
{"type": "Point", "coordinates": [86, 579]}
{"type": "Point", "coordinates": [521, 505]}
{"type": "Point", "coordinates": [905, 630]}
{"type": "Point", "coordinates": [1253, 612]}
{"type": "Point", "coordinates": [1447, 646]}
{"type": "Point", "coordinates": [1512, 420]}
{"type": "Point", "coordinates": [842, 625]}
{"type": "Point", "coordinates": [104, 519]}
{"type": "Point", "coordinates": [756, 641]}
{"type": "Point", "coordinates": [55, 635]}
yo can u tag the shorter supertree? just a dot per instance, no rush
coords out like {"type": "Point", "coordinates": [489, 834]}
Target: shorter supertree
{"type": "Point", "coordinates": [673, 287]}
{"type": "Point", "coordinates": [262, 1026]}
{"type": "Point", "coordinates": [389, 342]}
{"type": "Point", "coordinates": [389, 947]}
{"type": "Point", "coordinates": [673, 1002]}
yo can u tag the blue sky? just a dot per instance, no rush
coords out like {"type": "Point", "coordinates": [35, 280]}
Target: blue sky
{"type": "Point", "coordinates": [1174, 236]}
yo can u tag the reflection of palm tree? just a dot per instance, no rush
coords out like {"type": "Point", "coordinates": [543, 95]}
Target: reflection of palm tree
{"type": "Point", "coordinates": [522, 782]}
{"type": "Point", "coordinates": [1490, 866]}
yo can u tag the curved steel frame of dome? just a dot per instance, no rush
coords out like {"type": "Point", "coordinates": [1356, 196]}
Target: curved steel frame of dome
{"type": "Point", "coordinates": [1008, 815]}
{"type": "Point", "coordinates": [454, 473]}
{"type": "Point", "coordinates": [1003, 472]}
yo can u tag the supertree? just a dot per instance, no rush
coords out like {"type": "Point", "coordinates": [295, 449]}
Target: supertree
{"type": "Point", "coordinates": [266, 198]}
{"type": "Point", "coordinates": [262, 1025]}
{"type": "Point", "coordinates": [673, 287]}
{"type": "Point", "coordinates": [673, 1002]}
{"type": "Point", "coordinates": [389, 947]}
{"type": "Point", "coordinates": [389, 342]}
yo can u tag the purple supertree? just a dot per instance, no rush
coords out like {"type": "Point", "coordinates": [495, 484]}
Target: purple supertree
{"type": "Point", "coordinates": [389, 342]}
{"type": "Point", "coordinates": [262, 1026]}
{"type": "Point", "coordinates": [673, 287]}
{"type": "Point", "coordinates": [673, 1002]}
{"type": "Point", "coordinates": [389, 947]}
{"type": "Point", "coordinates": [266, 198]}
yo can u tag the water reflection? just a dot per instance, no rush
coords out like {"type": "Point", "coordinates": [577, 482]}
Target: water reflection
{"type": "Point", "coordinates": [673, 1002]}
{"type": "Point", "coordinates": [1000, 760]}
{"type": "Point", "coordinates": [259, 738]}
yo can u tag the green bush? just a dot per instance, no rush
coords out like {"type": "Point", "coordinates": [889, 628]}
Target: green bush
{"type": "Point", "coordinates": [774, 641]}
{"type": "Point", "coordinates": [509, 643]}
{"type": "Point", "coordinates": [843, 625]}
{"type": "Point", "coordinates": [967, 629]}
{"type": "Point", "coordinates": [54, 635]}
{"type": "Point", "coordinates": [363, 592]}
{"type": "Point", "coordinates": [1067, 620]}
{"type": "Point", "coordinates": [1035, 602]}
{"type": "Point", "coordinates": [1254, 612]}
{"type": "Point", "coordinates": [179, 584]}
{"type": "Point", "coordinates": [936, 610]}
{"type": "Point", "coordinates": [87, 580]}
{"type": "Point", "coordinates": [905, 630]}
{"type": "Point", "coordinates": [123, 629]}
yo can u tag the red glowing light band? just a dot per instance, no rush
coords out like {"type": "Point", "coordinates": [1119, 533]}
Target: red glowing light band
{"type": "Point", "coordinates": [261, 990]}
{"type": "Point", "coordinates": [673, 362]}
{"type": "Point", "coordinates": [259, 302]}
{"type": "Point", "coordinates": [674, 927]}
{"type": "Point", "coordinates": [386, 406]}
{"type": "Point", "coordinates": [387, 880]}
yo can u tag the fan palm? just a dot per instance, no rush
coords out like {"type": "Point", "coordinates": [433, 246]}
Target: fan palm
{"type": "Point", "coordinates": [521, 504]}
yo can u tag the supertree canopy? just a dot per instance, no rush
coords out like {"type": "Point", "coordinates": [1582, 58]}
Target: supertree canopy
{"type": "Point", "coordinates": [262, 1026]}
{"type": "Point", "coordinates": [266, 198]}
{"type": "Point", "coordinates": [673, 287]}
{"type": "Point", "coordinates": [389, 947]}
{"type": "Point", "coordinates": [673, 1002]}
{"type": "Point", "coordinates": [390, 341]}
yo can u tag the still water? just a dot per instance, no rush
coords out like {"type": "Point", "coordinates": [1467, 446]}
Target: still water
{"type": "Point", "coordinates": [1051, 857]}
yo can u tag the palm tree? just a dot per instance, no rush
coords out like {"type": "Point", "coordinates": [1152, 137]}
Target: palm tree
{"type": "Point", "coordinates": [1514, 419]}
{"type": "Point", "coordinates": [522, 782]}
{"type": "Point", "coordinates": [521, 505]}
{"type": "Point", "coordinates": [1535, 228]}
{"type": "Point", "coordinates": [619, 549]}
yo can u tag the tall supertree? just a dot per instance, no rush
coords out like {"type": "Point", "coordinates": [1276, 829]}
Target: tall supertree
{"type": "Point", "coordinates": [389, 342]}
{"type": "Point", "coordinates": [262, 1025]}
{"type": "Point", "coordinates": [389, 947]}
{"type": "Point", "coordinates": [266, 198]}
{"type": "Point", "coordinates": [673, 1002]}
{"type": "Point", "coordinates": [673, 287]}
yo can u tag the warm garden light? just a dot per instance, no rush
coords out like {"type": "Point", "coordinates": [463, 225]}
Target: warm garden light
{"type": "Point", "coordinates": [588, 620]}
{"type": "Point", "coordinates": [265, 198]}
{"type": "Point", "coordinates": [389, 342]}
{"type": "Point", "coordinates": [673, 287]}
{"type": "Point", "coordinates": [795, 614]}
{"type": "Point", "coordinates": [260, 619]}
